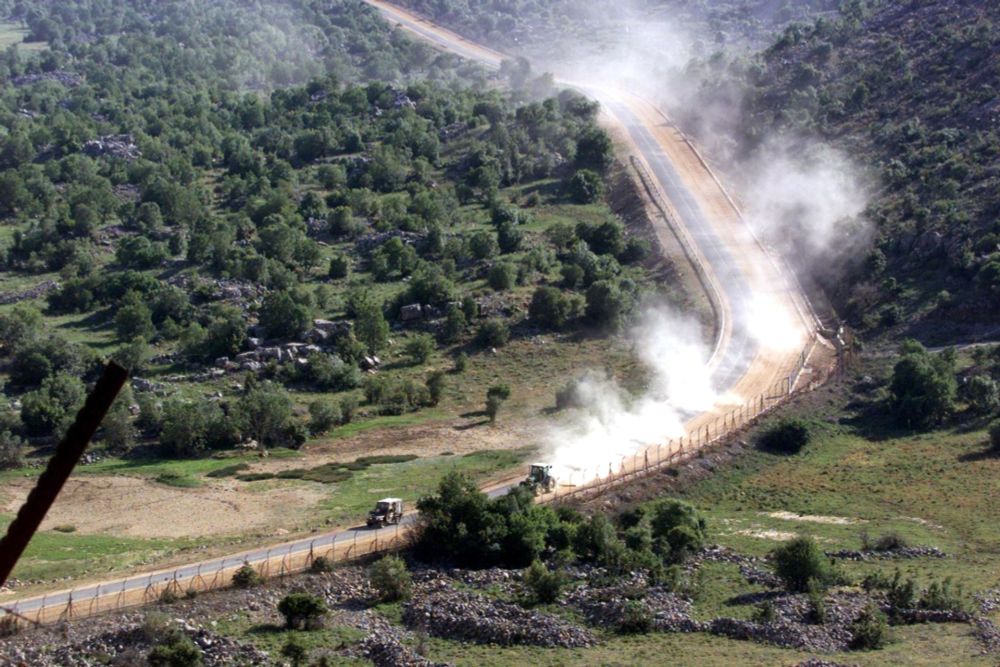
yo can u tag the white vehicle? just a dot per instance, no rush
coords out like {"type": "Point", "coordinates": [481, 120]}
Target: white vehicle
{"type": "Point", "coordinates": [387, 510]}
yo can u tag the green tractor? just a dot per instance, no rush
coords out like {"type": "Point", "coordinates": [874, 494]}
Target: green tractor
{"type": "Point", "coordinates": [540, 479]}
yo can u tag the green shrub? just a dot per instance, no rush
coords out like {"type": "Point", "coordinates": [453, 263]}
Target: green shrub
{"type": "Point", "coordinates": [246, 577]}
{"type": "Point", "coordinates": [677, 529]}
{"type": "Point", "coordinates": [177, 479]}
{"type": "Point", "coordinates": [330, 473]}
{"type": "Point", "coordinates": [889, 542]}
{"type": "Point", "coordinates": [636, 619]}
{"type": "Point", "coordinates": [179, 651]}
{"type": "Point", "coordinates": [942, 597]}
{"type": "Point", "coordinates": [302, 611]}
{"type": "Point", "coordinates": [789, 436]}
{"type": "Point", "coordinates": [870, 630]}
{"type": "Point", "coordinates": [323, 415]}
{"type": "Point", "coordinates": [544, 584]}
{"type": "Point", "coordinates": [817, 604]}
{"type": "Point", "coordinates": [493, 333]}
{"type": "Point", "coordinates": [386, 458]}
{"type": "Point", "coordinates": [800, 563]}
{"type": "Point", "coordinates": [390, 578]}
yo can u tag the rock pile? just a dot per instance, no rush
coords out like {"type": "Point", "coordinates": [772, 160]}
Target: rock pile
{"type": "Point", "coordinates": [121, 146]}
{"type": "Point", "coordinates": [792, 626]}
{"type": "Point", "coordinates": [607, 607]}
{"type": "Point", "coordinates": [887, 554]}
{"type": "Point", "coordinates": [988, 634]}
{"type": "Point", "coordinates": [35, 292]}
{"type": "Point", "coordinates": [129, 645]}
{"type": "Point", "coordinates": [387, 651]}
{"type": "Point", "coordinates": [750, 566]}
{"type": "Point", "coordinates": [467, 616]}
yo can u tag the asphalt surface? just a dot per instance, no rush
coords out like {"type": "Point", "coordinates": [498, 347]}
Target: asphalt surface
{"type": "Point", "coordinates": [737, 354]}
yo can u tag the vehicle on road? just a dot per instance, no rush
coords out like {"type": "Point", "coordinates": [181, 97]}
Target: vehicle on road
{"type": "Point", "coordinates": [540, 478]}
{"type": "Point", "coordinates": [387, 510]}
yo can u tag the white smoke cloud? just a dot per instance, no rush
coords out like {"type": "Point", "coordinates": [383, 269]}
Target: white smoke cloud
{"type": "Point", "coordinates": [611, 425]}
{"type": "Point", "coordinates": [805, 198]}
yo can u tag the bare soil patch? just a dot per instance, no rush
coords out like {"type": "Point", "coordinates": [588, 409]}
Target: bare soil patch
{"type": "Point", "coordinates": [136, 507]}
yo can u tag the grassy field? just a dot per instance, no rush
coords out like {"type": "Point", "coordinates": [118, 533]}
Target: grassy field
{"type": "Point", "coordinates": [58, 555]}
{"type": "Point", "coordinates": [14, 33]}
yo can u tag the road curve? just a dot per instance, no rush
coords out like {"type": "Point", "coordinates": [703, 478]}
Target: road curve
{"type": "Point", "coordinates": [744, 365]}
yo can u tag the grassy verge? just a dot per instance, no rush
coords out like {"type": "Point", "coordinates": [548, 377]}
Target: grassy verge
{"type": "Point", "coordinates": [58, 554]}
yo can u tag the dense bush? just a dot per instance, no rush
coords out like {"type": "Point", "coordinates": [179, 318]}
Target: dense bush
{"type": "Point", "coordinates": [246, 577]}
{"type": "Point", "coordinates": [390, 578]}
{"type": "Point", "coordinates": [923, 387]}
{"type": "Point", "coordinates": [788, 436]}
{"type": "Point", "coordinates": [677, 528]}
{"type": "Point", "coordinates": [800, 563]}
{"type": "Point", "coordinates": [302, 611]}
{"type": "Point", "coordinates": [493, 333]}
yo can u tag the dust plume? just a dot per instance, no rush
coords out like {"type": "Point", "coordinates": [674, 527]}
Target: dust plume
{"type": "Point", "coordinates": [610, 424]}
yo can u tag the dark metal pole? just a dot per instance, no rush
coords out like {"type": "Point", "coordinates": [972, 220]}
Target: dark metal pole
{"type": "Point", "coordinates": [67, 455]}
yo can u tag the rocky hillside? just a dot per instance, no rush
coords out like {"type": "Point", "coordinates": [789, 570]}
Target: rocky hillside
{"type": "Point", "coordinates": [910, 89]}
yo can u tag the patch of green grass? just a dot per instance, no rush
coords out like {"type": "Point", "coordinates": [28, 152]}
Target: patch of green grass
{"type": "Point", "coordinates": [919, 645]}
{"type": "Point", "coordinates": [228, 471]}
{"type": "Point", "coordinates": [178, 480]}
{"type": "Point", "coordinates": [272, 638]}
{"type": "Point", "coordinates": [256, 476]}
{"type": "Point", "coordinates": [53, 555]}
{"type": "Point", "coordinates": [331, 473]}
{"type": "Point", "coordinates": [386, 458]}
{"type": "Point", "coordinates": [14, 34]}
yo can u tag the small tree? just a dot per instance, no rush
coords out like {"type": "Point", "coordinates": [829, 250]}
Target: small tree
{"type": "Point", "coordinates": [370, 325]}
{"type": "Point", "coordinates": [461, 362]}
{"type": "Point", "coordinates": [502, 276]}
{"type": "Point", "coordinates": [981, 393]}
{"type": "Point", "coordinates": [134, 320]}
{"type": "Point", "coordinates": [678, 529]}
{"type": "Point", "coordinates": [549, 308]}
{"type": "Point", "coordinates": [870, 630]}
{"type": "Point", "coordinates": [493, 333]}
{"type": "Point", "coordinates": [390, 578]}
{"type": "Point", "coordinates": [800, 563]}
{"type": "Point", "coordinates": [11, 451]}
{"type": "Point", "coordinates": [436, 383]}
{"type": "Point", "coordinates": [788, 436]}
{"type": "Point", "coordinates": [586, 186]}
{"type": "Point", "coordinates": [454, 324]}
{"type": "Point", "coordinates": [543, 584]}
{"type": "Point", "coordinates": [419, 348]}
{"type": "Point", "coordinates": [323, 415]}
{"type": "Point", "coordinates": [302, 611]}
{"type": "Point", "coordinates": [265, 413]}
